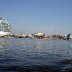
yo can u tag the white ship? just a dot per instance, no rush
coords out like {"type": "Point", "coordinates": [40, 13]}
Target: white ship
{"type": "Point", "coordinates": [5, 27]}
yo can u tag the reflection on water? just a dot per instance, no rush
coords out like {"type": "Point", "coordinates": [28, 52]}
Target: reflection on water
{"type": "Point", "coordinates": [35, 55]}
{"type": "Point", "coordinates": [3, 46]}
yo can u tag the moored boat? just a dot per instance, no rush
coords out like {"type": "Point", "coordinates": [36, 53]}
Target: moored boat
{"type": "Point", "coordinates": [5, 27]}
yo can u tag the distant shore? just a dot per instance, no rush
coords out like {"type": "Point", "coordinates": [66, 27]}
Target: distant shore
{"type": "Point", "coordinates": [36, 35]}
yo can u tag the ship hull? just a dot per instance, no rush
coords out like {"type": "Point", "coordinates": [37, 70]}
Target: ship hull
{"type": "Point", "coordinates": [2, 33]}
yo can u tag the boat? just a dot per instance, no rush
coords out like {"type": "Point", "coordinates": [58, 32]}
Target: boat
{"type": "Point", "coordinates": [5, 27]}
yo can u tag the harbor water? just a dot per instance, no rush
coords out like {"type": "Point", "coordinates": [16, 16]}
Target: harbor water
{"type": "Point", "coordinates": [35, 55]}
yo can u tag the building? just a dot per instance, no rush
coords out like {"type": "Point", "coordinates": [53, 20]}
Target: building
{"type": "Point", "coordinates": [39, 35]}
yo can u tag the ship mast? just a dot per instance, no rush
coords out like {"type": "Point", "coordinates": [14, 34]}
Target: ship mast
{"type": "Point", "coordinates": [4, 25]}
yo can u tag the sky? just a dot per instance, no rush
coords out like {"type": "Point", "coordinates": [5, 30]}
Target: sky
{"type": "Point", "coordinates": [32, 16]}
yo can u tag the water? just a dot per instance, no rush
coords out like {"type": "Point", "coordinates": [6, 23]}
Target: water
{"type": "Point", "coordinates": [35, 55]}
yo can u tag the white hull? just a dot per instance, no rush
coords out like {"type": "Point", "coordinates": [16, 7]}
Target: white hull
{"type": "Point", "coordinates": [2, 33]}
{"type": "Point", "coordinates": [70, 36]}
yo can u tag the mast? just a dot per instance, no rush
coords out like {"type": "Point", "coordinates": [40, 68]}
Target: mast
{"type": "Point", "coordinates": [5, 25]}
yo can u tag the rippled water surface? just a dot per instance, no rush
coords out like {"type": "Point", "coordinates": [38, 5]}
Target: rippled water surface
{"type": "Point", "coordinates": [35, 55]}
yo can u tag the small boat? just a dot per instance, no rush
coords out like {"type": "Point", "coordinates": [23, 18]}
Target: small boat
{"type": "Point", "coordinates": [5, 27]}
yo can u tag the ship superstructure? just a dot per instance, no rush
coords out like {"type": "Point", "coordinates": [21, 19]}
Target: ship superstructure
{"type": "Point", "coordinates": [5, 27]}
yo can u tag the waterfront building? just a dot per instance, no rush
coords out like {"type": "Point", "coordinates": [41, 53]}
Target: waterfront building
{"type": "Point", "coordinates": [39, 35]}
{"type": "Point", "coordinates": [5, 27]}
